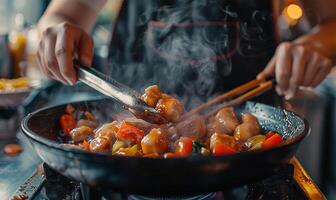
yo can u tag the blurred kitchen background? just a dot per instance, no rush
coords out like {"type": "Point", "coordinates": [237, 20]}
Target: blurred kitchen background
{"type": "Point", "coordinates": [19, 42]}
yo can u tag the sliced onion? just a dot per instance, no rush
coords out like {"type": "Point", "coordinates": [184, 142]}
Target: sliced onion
{"type": "Point", "coordinates": [252, 141]}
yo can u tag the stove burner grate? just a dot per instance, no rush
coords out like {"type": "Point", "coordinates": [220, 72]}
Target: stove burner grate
{"type": "Point", "coordinates": [280, 186]}
{"type": "Point", "coordinates": [210, 196]}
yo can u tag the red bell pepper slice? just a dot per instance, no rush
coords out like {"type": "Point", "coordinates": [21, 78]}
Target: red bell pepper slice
{"type": "Point", "coordinates": [67, 122]}
{"type": "Point", "coordinates": [86, 145]}
{"type": "Point", "coordinates": [130, 134]}
{"type": "Point", "coordinates": [270, 134]}
{"type": "Point", "coordinates": [274, 140]}
{"type": "Point", "coordinates": [223, 149]}
{"type": "Point", "coordinates": [184, 146]}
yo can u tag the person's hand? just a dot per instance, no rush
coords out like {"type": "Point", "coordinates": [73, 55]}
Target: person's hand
{"type": "Point", "coordinates": [59, 46]}
{"type": "Point", "coordinates": [295, 65]}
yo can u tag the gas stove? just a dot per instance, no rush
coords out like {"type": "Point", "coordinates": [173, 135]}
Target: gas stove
{"type": "Point", "coordinates": [52, 185]}
{"type": "Point", "coordinates": [24, 176]}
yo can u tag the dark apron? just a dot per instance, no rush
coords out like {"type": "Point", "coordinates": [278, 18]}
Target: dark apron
{"type": "Point", "coordinates": [193, 49]}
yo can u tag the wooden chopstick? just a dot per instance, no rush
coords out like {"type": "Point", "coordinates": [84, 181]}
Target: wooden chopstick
{"type": "Point", "coordinates": [263, 87]}
{"type": "Point", "coordinates": [230, 94]}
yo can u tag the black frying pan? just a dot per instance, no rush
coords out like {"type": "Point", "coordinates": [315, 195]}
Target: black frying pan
{"type": "Point", "coordinates": [145, 175]}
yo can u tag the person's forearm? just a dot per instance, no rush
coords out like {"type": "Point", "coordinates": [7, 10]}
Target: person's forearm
{"type": "Point", "coordinates": [51, 20]}
{"type": "Point", "coordinates": [74, 12]}
{"type": "Point", "coordinates": [322, 38]}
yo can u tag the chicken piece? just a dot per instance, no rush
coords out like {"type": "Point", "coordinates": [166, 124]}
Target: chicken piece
{"type": "Point", "coordinates": [170, 108]}
{"type": "Point", "coordinates": [218, 138]}
{"type": "Point", "coordinates": [152, 95]}
{"type": "Point", "coordinates": [100, 144]}
{"type": "Point", "coordinates": [107, 130]}
{"type": "Point", "coordinates": [249, 118]}
{"type": "Point", "coordinates": [246, 130]}
{"type": "Point", "coordinates": [105, 136]}
{"type": "Point", "coordinates": [249, 128]}
{"type": "Point", "coordinates": [156, 141]}
{"type": "Point", "coordinates": [193, 127]}
{"type": "Point", "coordinates": [225, 121]}
{"type": "Point", "coordinates": [80, 133]}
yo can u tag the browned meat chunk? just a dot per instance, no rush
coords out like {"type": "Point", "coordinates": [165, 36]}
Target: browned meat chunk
{"type": "Point", "coordinates": [152, 95]}
{"type": "Point", "coordinates": [249, 118]}
{"type": "Point", "coordinates": [249, 128]}
{"type": "Point", "coordinates": [104, 137]}
{"type": "Point", "coordinates": [156, 141]}
{"type": "Point", "coordinates": [225, 121]}
{"type": "Point", "coordinates": [99, 144]}
{"type": "Point", "coordinates": [80, 133]}
{"type": "Point", "coordinates": [218, 138]}
{"type": "Point", "coordinates": [170, 108]}
{"type": "Point", "coordinates": [194, 127]}
{"type": "Point", "coordinates": [107, 130]}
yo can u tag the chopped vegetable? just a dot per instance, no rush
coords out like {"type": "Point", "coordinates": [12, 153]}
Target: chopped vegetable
{"type": "Point", "coordinates": [67, 122]}
{"type": "Point", "coordinates": [274, 140]}
{"type": "Point", "coordinates": [269, 134]}
{"type": "Point", "coordinates": [86, 145]}
{"type": "Point", "coordinates": [130, 134]}
{"type": "Point", "coordinates": [221, 134]}
{"type": "Point", "coordinates": [117, 145]}
{"type": "Point", "coordinates": [69, 109]}
{"type": "Point", "coordinates": [184, 146]}
{"type": "Point", "coordinates": [205, 151]}
{"type": "Point", "coordinates": [197, 147]}
{"type": "Point", "coordinates": [255, 140]}
{"type": "Point", "coordinates": [130, 151]}
{"type": "Point", "coordinates": [223, 149]}
{"type": "Point", "coordinates": [256, 146]}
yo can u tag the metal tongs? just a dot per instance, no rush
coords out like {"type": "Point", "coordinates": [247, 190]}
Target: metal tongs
{"type": "Point", "coordinates": [129, 98]}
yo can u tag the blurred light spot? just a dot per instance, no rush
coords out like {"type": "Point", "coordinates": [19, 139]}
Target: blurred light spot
{"type": "Point", "coordinates": [19, 20]}
{"type": "Point", "coordinates": [294, 11]}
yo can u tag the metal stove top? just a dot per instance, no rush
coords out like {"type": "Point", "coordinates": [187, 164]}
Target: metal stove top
{"type": "Point", "coordinates": [280, 186]}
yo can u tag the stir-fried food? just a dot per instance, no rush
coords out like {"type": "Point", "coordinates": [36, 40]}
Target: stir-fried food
{"type": "Point", "coordinates": [224, 134]}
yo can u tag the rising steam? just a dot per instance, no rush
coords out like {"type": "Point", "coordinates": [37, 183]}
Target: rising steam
{"type": "Point", "coordinates": [187, 48]}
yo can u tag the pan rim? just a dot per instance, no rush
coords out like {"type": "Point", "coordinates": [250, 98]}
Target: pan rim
{"type": "Point", "coordinates": [89, 155]}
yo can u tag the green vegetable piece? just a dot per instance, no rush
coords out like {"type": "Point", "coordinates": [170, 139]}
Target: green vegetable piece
{"type": "Point", "coordinates": [197, 147]}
